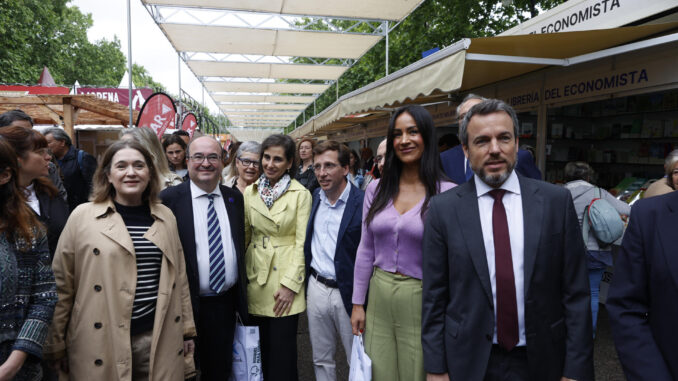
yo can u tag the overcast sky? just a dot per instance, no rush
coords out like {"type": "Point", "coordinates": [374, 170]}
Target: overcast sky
{"type": "Point", "coordinates": [150, 47]}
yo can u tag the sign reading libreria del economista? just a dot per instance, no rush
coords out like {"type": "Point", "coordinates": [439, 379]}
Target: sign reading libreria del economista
{"type": "Point", "coordinates": [583, 87]}
{"type": "Point", "coordinates": [565, 85]}
{"type": "Point", "coordinates": [575, 15]}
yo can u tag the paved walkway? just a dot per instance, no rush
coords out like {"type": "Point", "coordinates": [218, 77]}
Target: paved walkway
{"type": "Point", "coordinates": [607, 365]}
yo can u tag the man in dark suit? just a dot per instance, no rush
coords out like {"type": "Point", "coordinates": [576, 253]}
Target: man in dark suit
{"type": "Point", "coordinates": [332, 239]}
{"type": "Point", "coordinates": [454, 162]}
{"type": "Point", "coordinates": [643, 297]}
{"type": "Point", "coordinates": [505, 282]}
{"type": "Point", "coordinates": [211, 228]}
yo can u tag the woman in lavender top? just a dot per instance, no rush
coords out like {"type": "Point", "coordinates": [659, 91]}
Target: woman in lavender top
{"type": "Point", "coordinates": [389, 256]}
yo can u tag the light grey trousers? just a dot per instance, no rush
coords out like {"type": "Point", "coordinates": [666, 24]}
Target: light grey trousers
{"type": "Point", "coordinates": [327, 317]}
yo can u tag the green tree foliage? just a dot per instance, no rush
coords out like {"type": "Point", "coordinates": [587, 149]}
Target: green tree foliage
{"type": "Point", "coordinates": [435, 24]}
{"type": "Point", "coordinates": [142, 78]}
{"type": "Point", "coordinates": [37, 33]}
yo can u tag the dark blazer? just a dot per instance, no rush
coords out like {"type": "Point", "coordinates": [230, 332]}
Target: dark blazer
{"type": "Point", "coordinates": [53, 214]}
{"type": "Point", "coordinates": [458, 314]}
{"type": "Point", "coordinates": [178, 199]}
{"type": "Point", "coordinates": [452, 161]}
{"type": "Point", "coordinates": [348, 239]}
{"type": "Point", "coordinates": [643, 297]}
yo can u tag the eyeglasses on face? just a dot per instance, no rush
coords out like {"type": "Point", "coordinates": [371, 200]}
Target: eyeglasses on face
{"type": "Point", "coordinates": [248, 162]}
{"type": "Point", "coordinates": [211, 158]}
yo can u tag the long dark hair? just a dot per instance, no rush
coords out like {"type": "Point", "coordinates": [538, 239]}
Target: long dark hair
{"type": "Point", "coordinates": [288, 146]}
{"type": "Point", "coordinates": [23, 141]}
{"type": "Point", "coordinates": [430, 173]}
{"type": "Point", "coordinates": [17, 220]}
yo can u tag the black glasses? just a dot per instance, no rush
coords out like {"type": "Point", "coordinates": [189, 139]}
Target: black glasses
{"type": "Point", "coordinates": [248, 162]}
{"type": "Point", "coordinates": [199, 158]}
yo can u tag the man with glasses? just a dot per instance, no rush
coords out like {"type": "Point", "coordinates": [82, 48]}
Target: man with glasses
{"type": "Point", "coordinates": [455, 164]}
{"type": "Point", "coordinates": [332, 238]}
{"type": "Point", "coordinates": [211, 228]}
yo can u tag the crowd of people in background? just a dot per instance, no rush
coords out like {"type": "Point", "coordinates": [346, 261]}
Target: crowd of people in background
{"type": "Point", "coordinates": [449, 257]}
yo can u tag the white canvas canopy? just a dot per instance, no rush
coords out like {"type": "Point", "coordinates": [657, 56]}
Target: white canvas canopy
{"type": "Point", "coordinates": [265, 52]}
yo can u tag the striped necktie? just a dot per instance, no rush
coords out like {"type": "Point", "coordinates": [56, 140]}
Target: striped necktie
{"type": "Point", "coordinates": [217, 265]}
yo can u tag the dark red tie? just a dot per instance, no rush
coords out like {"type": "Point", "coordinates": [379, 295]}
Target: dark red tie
{"type": "Point", "coordinates": [507, 310]}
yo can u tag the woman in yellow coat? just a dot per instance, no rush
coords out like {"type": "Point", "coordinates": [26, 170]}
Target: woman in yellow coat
{"type": "Point", "coordinates": [277, 209]}
{"type": "Point", "coordinates": [124, 309]}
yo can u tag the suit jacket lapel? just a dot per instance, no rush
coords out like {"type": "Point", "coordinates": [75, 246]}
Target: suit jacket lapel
{"type": "Point", "coordinates": [473, 233]}
{"type": "Point", "coordinates": [311, 219]}
{"type": "Point", "coordinates": [234, 220]}
{"type": "Point", "coordinates": [666, 225]}
{"type": "Point", "coordinates": [186, 225]}
{"type": "Point", "coordinates": [533, 210]}
{"type": "Point", "coordinates": [349, 210]}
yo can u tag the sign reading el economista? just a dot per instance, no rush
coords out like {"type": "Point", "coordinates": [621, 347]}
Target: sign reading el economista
{"type": "Point", "coordinates": [575, 15]}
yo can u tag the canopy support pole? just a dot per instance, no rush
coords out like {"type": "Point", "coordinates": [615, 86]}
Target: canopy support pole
{"type": "Point", "coordinates": [386, 25]}
{"type": "Point", "coordinates": [129, 61]}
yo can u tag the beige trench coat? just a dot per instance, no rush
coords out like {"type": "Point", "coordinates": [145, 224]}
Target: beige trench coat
{"type": "Point", "coordinates": [275, 247]}
{"type": "Point", "coordinates": [95, 271]}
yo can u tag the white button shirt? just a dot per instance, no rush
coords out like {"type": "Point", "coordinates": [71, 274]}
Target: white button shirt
{"type": "Point", "coordinates": [200, 205]}
{"type": "Point", "coordinates": [325, 233]}
{"type": "Point", "coordinates": [513, 203]}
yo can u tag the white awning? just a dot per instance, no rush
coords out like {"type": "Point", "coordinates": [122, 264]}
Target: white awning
{"type": "Point", "coordinates": [374, 9]}
{"type": "Point", "coordinates": [265, 87]}
{"type": "Point", "coordinates": [266, 70]}
{"type": "Point", "coordinates": [305, 45]}
{"type": "Point", "coordinates": [238, 40]}
{"type": "Point", "coordinates": [263, 98]}
{"type": "Point", "coordinates": [472, 63]}
{"type": "Point", "coordinates": [260, 106]}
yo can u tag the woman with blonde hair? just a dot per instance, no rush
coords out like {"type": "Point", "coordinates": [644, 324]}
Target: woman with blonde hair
{"type": "Point", "coordinates": [27, 290]}
{"type": "Point", "coordinates": [124, 309]}
{"type": "Point", "coordinates": [147, 138]}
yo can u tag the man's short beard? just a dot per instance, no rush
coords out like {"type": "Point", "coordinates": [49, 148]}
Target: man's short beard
{"type": "Point", "coordinates": [495, 181]}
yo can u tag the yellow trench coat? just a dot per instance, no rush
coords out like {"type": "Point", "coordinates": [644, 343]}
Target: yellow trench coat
{"type": "Point", "coordinates": [275, 247]}
{"type": "Point", "coordinates": [95, 271]}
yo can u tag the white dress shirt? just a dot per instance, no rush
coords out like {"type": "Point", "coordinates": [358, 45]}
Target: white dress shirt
{"type": "Point", "coordinates": [32, 199]}
{"type": "Point", "coordinates": [200, 205]}
{"type": "Point", "coordinates": [513, 203]}
{"type": "Point", "coordinates": [325, 231]}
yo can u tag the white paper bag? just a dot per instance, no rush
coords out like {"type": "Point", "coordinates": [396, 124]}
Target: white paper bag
{"type": "Point", "coordinates": [246, 354]}
{"type": "Point", "coordinates": [361, 365]}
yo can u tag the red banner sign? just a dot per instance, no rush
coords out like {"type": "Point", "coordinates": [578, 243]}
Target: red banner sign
{"type": "Point", "coordinates": [35, 89]}
{"type": "Point", "coordinates": [121, 96]}
{"type": "Point", "coordinates": [158, 114]}
{"type": "Point", "coordinates": [189, 124]}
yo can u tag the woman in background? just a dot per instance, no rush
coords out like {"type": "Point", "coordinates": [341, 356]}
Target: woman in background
{"type": "Point", "coordinates": [246, 168]}
{"type": "Point", "coordinates": [305, 174]}
{"type": "Point", "coordinates": [579, 177]}
{"type": "Point", "coordinates": [147, 138]}
{"type": "Point", "coordinates": [355, 171]}
{"type": "Point", "coordinates": [277, 209]}
{"type": "Point", "coordinates": [41, 195]}
{"type": "Point", "coordinates": [175, 149]}
{"type": "Point", "coordinates": [27, 289]}
{"type": "Point", "coordinates": [389, 256]}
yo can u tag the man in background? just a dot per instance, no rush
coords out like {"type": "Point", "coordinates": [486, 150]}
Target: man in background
{"type": "Point", "coordinates": [77, 166]}
{"type": "Point", "coordinates": [456, 166]}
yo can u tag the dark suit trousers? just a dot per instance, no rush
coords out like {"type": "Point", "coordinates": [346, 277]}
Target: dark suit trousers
{"type": "Point", "coordinates": [216, 325]}
{"type": "Point", "coordinates": [507, 366]}
{"type": "Point", "coordinates": [278, 338]}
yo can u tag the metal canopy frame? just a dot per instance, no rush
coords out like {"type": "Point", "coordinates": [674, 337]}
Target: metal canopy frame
{"type": "Point", "coordinates": [256, 69]}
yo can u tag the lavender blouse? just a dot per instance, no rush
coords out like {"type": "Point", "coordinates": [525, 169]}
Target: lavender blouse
{"type": "Point", "coordinates": [392, 242]}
